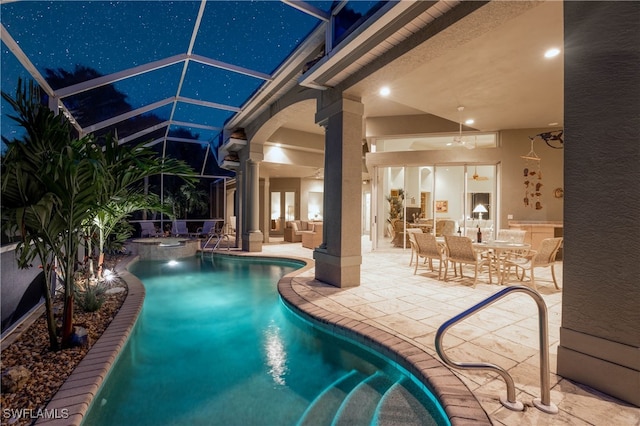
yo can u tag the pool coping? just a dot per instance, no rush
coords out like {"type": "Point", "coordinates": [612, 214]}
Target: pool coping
{"type": "Point", "coordinates": [72, 401]}
{"type": "Point", "coordinates": [459, 403]}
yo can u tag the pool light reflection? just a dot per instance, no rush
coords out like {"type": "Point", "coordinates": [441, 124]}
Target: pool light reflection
{"type": "Point", "coordinates": [275, 354]}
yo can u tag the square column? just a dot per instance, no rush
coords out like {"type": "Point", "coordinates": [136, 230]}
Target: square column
{"type": "Point", "coordinates": [339, 257]}
{"type": "Point", "coordinates": [252, 238]}
{"type": "Point", "coordinates": [600, 333]}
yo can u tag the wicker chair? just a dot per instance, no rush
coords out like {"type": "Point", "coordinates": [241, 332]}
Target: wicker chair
{"type": "Point", "coordinates": [460, 250]}
{"type": "Point", "coordinates": [427, 247]}
{"type": "Point", "coordinates": [412, 242]}
{"type": "Point", "coordinates": [511, 235]}
{"type": "Point", "coordinates": [398, 234]}
{"type": "Point", "coordinates": [445, 227]}
{"type": "Point", "coordinates": [544, 257]}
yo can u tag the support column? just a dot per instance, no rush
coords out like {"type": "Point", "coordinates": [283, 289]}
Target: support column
{"type": "Point", "coordinates": [266, 225]}
{"type": "Point", "coordinates": [600, 337]}
{"type": "Point", "coordinates": [240, 207]}
{"type": "Point", "coordinates": [339, 257]}
{"type": "Point", "coordinates": [252, 239]}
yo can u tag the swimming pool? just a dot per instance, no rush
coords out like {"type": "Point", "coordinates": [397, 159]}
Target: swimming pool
{"type": "Point", "coordinates": [214, 345]}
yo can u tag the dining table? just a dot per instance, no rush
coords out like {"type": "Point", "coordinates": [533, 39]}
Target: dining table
{"type": "Point", "coordinates": [498, 249]}
{"type": "Point", "coordinates": [425, 227]}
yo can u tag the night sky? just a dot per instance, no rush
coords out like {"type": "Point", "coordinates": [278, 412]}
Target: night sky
{"type": "Point", "coordinates": [115, 36]}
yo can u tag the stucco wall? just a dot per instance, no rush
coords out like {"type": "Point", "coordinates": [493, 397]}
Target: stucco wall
{"type": "Point", "coordinates": [600, 333]}
{"type": "Point", "coordinates": [514, 144]}
{"type": "Point", "coordinates": [21, 288]}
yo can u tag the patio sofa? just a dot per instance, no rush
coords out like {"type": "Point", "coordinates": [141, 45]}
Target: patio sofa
{"type": "Point", "coordinates": [312, 239]}
{"type": "Point", "coordinates": [294, 229]}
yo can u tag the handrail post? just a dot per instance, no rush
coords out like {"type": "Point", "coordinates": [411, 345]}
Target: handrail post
{"type": "Point", "coordinates": [544, 403]}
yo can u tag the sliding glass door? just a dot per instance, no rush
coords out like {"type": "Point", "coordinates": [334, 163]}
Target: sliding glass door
{"type": "Point", "coordinates": [283, 208]}
{"type": "Point", "coordinates": [441, 199]}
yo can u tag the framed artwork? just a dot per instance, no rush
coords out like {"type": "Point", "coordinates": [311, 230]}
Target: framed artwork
{"type": "Point", "coordinates": [442, 206]}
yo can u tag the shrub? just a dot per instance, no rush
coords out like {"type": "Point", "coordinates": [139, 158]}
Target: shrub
{"type": "Point", "coordinates": [91, 297]}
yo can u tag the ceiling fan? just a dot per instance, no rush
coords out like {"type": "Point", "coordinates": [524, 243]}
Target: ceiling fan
{"type": "Point", "coordinates": [460, 140]}
{"type": "Point", "coordinates": [477, 177]}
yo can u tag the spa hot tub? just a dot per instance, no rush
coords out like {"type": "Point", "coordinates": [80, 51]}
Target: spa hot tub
{"type": "Point", "coordinates": [166, 248]}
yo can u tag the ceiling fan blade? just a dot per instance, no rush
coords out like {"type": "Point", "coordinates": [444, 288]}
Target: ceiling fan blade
{"type": "Point", "coordinates": [471, 144]}
{"type": "Point", "coordinates": [477, 177]}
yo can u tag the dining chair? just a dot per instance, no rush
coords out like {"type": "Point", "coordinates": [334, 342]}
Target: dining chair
{"type": "Point", "coordinates": [412, 241]}
{"type": "Point", "coordinates": [445, 227]}
{"type": "Point", "coordinates": [543, 257]}
{"type": "Point", "coordinates": [397, 232]}
{"type": "Point", "coordinates": [511, 235]}
{"type": "Point", "coordinates": [459, 250]}
{"type": "Point", "coordinates": [428, 248]}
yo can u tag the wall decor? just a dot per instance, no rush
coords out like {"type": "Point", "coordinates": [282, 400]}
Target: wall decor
{"type": "Point", "coordinates": [558, 193]}
{"type": "Point", "coordinates": [532, 178]}
{"type": "Point", "coordinates": [442, 206]}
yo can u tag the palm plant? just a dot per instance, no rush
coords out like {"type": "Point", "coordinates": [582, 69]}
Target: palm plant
{"type": "Point", "coordinates": [27, 199]}
{"type": "Point", "coordinates": [188, 199]}
{"type": "Point", "coordinates": [53, 184]}
{"type": "Point", "coordinates": [108, 219]}
{"type": "Point", "coordinates": [396, 205]}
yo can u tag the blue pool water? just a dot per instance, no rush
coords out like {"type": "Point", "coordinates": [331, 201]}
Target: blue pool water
{"type": "Point", "coordinates": [215, 346]}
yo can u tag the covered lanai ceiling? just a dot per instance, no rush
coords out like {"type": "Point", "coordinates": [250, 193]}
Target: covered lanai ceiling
{"type": "Point", "coordinates": [489, 60]}
{"type": "Point", "coordinates": [486, 57]}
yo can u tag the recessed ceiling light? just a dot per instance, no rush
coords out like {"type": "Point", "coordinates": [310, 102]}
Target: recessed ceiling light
{"type": "Point", "coordinates": [278, 145]}
{"type": "Point", "coordinates": [553, 124]}
{"type": "Point", "coordinates": [385, 91]}
{"type": "Point", "coordinates": [470, 121]}
{"type": "Point", "coordinates": [552, 53]}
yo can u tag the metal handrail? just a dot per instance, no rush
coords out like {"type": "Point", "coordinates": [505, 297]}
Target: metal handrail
{"type": "Point", "coordinates": [544, 403]}
{"type": "Point", "coordinates": [220, 239]}
{"type": "Point", "coordinates": [220, 236]}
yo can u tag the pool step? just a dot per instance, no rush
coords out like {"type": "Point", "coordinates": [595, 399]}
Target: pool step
{"type": "Point", "coordinates": [399, 406]}
{"type": "Point", "coordinates": [356, 399]}
{"type": "Point", "coordinates": [359, 406]}
{"type": "Point", "coordinates": [323, 408]}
